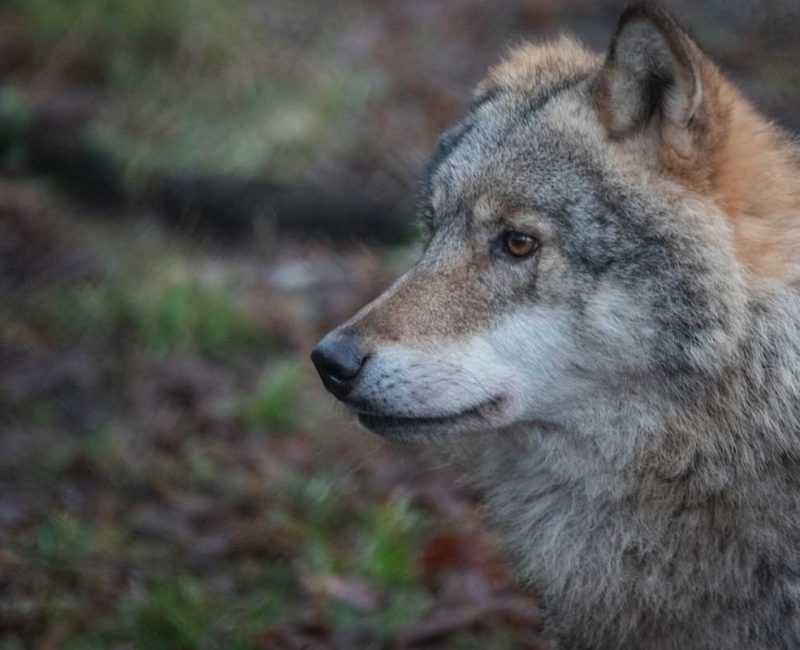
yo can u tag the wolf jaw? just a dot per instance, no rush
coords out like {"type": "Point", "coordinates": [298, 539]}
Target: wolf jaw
{"type": "Point", "coordinates": [631, 390]}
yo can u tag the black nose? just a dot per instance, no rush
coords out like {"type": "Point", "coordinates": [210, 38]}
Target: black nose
{"type": "Point", "coordinates": [338, 359]}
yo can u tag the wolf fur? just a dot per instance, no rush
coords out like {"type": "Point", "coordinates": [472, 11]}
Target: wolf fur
{"type": "Point", "coordinates": [628, 397]}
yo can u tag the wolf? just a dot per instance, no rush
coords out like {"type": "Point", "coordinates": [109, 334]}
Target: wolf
{"type": "Point", "coordinates": [604, 329]}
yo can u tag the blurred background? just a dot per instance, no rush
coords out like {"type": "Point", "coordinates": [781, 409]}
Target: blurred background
{"type": "Point", "coordinates": [191, 193]}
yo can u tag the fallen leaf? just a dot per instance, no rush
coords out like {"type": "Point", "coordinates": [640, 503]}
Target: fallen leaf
{"type": "Point", "coordinates": [353, 591]}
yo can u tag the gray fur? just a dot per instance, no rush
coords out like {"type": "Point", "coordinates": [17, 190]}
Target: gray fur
{"type": "Point", "coordinates": [667, 514]}
{"type": "Point", "coordinates": [664, 511]}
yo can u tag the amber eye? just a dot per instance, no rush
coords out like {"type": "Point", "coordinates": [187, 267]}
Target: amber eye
{"type": "Point", "coordinates": [519, 244]}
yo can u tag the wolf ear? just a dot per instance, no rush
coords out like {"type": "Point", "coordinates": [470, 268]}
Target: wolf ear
{"type": "Point", "coordinates": [652, 71]}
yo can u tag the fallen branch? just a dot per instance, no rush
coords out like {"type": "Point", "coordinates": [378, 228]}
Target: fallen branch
{"type": "Point", "coordinates": [54, 141]}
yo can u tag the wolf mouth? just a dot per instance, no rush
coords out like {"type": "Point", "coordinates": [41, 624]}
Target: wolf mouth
{"type": "Point", "coordinates": [388, 424]}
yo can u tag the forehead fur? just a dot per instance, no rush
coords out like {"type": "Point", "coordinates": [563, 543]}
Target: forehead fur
{"type": "Point", "coordinates": [536, 91]}
{"type": "Point", "coordinates": [532, 67]}
{"type": "Point", "coordinates": [751, 172]}
{"type": "Point", "coordinates": [536, 97]}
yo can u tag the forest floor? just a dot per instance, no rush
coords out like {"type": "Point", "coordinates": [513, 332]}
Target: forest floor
{"type": "Point", "coordinates": [172, 475]}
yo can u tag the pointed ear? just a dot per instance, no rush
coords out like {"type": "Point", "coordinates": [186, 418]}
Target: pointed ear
{"type": "Point", "coordinates": [653, 71]}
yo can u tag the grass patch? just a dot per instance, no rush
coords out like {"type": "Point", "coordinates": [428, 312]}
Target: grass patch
{"type": "Point", "coordinates": [190, 78]}
{"type": "Point", "coordinates": [278, 126]}
{"type": "Point", "coordinates": [402, 608]}
{"type": "Point", "coordinates": [63, 537]}
{"type": "Point", "coordinates": [131, 35]}
{"type": "Point", "coordinates": [180, 613]}
{"type": "Point", "coordinates": [388, 557]}
{"type": "Point", "coordinates": [174, 317]}
{"type": "Point", "coordinates": [176, 614]}
{"type": "Point", "coordinates": [274, 405]}
{"type": "Point", "coordinates": [187, 315]}
{"type": "Point", "coordinates": [379, 544]}
{"type": "Point", "coordinates": [86, 309]}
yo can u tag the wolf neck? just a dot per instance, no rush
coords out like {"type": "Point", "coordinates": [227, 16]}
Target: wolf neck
{"type": "Point", "coordinates": [599, 513]}
{"type": "Point", "coordinates": [684, 427]}
{"type": "Point", "coordinates": [756, 180]}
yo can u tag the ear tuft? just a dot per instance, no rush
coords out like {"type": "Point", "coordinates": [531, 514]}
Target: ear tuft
{"type": "Point", "coordinates": [652, 70]}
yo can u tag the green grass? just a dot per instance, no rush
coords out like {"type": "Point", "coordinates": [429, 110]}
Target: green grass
{"type": "Point", "coordinates": [133, 308]}
{"type": "Point", "coordinates": [181, 612]}
{"type": "Point", "coordinates": [147, 297]}
{"type": "Point", "coordinates": [132, 34]}
{"type": "Point", "coordinates": [268, 125]}
{"type": "Point", "coordinates": [385, 535]}
{"type": "Point", "coordinates": [268, 605]}
{"type": "Point", "coordinates": [383, 551]}
{"type": "Point", "coordinates": [189, 315]}
{"type": "Point", "coordinates": [63, 537]}
{"type": "Point", "coordinates": [388, 556]}
{"type": "Point", "coordinates": [85, 309]}
{"type": "Point", "coordinates": [196, 84]}
{"type": "Point", "coordinates": [176, 316]}
{"type": "Point", "coordinates": [274, 405]}
{"type": "Point", "coordinates": [176, 614]}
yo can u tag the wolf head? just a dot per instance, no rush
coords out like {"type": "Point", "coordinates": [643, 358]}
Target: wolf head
{"type": "Point", "coordinates": [588, 224]}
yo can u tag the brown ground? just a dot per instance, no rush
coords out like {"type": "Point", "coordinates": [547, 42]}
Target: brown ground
{"type": "Point", "coordinates": [171, 473]}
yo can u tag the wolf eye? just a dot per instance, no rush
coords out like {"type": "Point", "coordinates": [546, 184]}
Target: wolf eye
{"type": "Point", "coordinates": [518, 244]}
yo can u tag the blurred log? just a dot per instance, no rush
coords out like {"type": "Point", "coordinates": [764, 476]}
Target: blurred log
{"type": "Point", "coordinates": [55, 145]}
{"type": "Point", "coordinates": [230, 206]}
{"type": "Point", "coordinates": [54, 141]}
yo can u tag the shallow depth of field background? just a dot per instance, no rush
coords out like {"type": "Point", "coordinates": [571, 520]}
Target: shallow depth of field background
{"type": "Point", "coordinates": [191, 193]}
